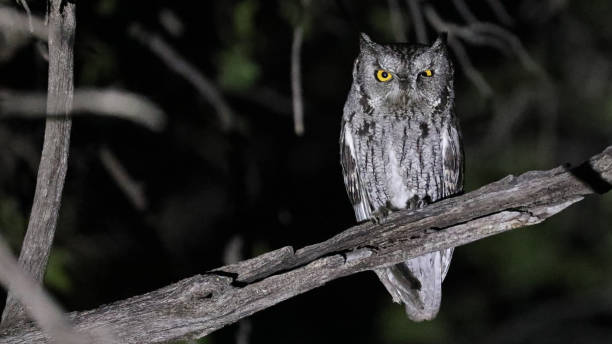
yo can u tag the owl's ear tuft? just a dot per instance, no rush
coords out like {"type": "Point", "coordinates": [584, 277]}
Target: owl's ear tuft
{"type": "Point", "coordinates": [365, 42]}
{"type": "Point", "coordinates": [441, 41]}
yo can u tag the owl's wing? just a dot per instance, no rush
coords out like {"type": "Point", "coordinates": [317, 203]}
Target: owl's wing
{"type": "Point", "coordinates": [452, 153]}
{"type": "Point", "coordinates": [350, 172]}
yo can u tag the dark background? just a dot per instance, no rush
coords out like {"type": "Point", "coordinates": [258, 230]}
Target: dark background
{"type": "Point", "coordinates": [264, 187]}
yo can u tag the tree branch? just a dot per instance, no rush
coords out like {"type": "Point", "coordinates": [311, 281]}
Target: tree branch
{"type": "Point", "coordinates": [296, 77]}
{"type": "Point", "coordinates": [101, 102]}
{"type": "Point", "coordinates": [40, 306]}
{"type": "Point", "coordinates": [13, 21]}
{"type": "Point", "coordinates": [24, 3]}
{"type": "Point", "coordinates": [199, 305]}
{"type": "Point", "coordinates": [397, 21]}
{"type": "Point", "coordinates": [54, 160]}
{"type": "Point", "coordinates": [500, 12]}
{"type": "Point", "coordinates": [417, 20]}
{"type": "Point", "coordinates": [189, 72]}
{"type": "Point", "coordinates": [131, 188]}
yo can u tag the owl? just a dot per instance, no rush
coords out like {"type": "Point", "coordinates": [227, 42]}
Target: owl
{"type": "Point", "coordinates": [400, 147]}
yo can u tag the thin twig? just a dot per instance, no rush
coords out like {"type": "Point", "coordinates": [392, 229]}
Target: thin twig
{"type": "Point", "coordinates": [397, 21]}
{"type": "Point", "coordinates": [296, 80]}
{"type": "Point", "coordinates": [500, 12]}
{"type": "Point", "coordinates": [115, 103]}
{"type": "Point", "coordinates": [417, 20]}
{"type": "Point", "coordinates": [201, 304]}
{"type": "Point", "coordinates": [460, 54]}
{"type": "Point", "coordinates": [12, 20]}
{"type": "Point", "coordinates": [38, 302]}
{"type": "Point", "coordinates": [244, 331]}
{"type": "Point", "coordinates": [514, 43]}
{"type": "Point", "coordinates": [179, 65]}
{"type": "Point", "coordinates": [468, 68]}
{"type": "Point", "coordinates": [54, 161]}
{"type": "Point", "coordinates": [269, 98]}
{"type": "Point", "coordinates": [24, 3]}
{"type": "Point", "coordinates": [464, 11]}
{"type": "Point", "coordinates": [233, 250]}
{"type": "Point", "coordinates": [132, 189]}
{"type": "Point", "coordinates": [232, 255]}
{"type": "Point", "coordinates": [171, 22]}
{"type": "Point", "coordinates": [487, 34]}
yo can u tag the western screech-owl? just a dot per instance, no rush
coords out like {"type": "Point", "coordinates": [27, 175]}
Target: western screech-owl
{"type": "Point", "coordinates": [400, 147]}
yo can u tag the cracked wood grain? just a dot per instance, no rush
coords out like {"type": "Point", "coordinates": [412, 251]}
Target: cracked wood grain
{"type": "Point", "coordinates": [199, 305]}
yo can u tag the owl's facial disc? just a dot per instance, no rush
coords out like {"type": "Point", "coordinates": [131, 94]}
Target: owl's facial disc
{"type": "Point", "coordinates": [395, 77]}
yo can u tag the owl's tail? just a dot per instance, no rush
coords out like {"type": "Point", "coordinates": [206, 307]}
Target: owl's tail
{"type": "Point", "coordinates": [417, 283]}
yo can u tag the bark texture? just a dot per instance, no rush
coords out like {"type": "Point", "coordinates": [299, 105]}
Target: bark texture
{"type": "Point", "coordinates": [54, 160]}
{"type": "Point", "coordinates": [199, 305]}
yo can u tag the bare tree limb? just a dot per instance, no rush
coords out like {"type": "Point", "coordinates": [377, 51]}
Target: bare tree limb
{"type": "Point", "coordinates": [12, 20]}
{"type": "Point", "coordinates": [54, 160]}
{"type": "Point", "coordinates": [171, 22]}
{"type": "Point", "coordinates": [464, 11]}
{"type": "Point", "coordinates": [189, 72]}
{"type": "Point", "coordinates": [487, 34]}
{"type": "Point", "coordinates": [17, 29]}
{"type": "Point", "coordinates": [132, 189]}
{"type": "Point", "coordinates": [500, 12]}
{"type": "Point", "coordinates": [199, 305]}
{"type": "Point", "coordinates": [397, 22]}
{"type": "Point", "coordinates": [296, 80]}
{"type": "Point", "coordinates": [232, 255]}
{"type": "Point", "coordinates": [468, 68]}
{"type": "Point", "coordinates": [417, 20]}
{"type": "Point", "coordinates": [110, 102]}
{"type": "Point", "coordinates": [39, 304]}
{"type": "Point", "coordinates": [462, 57]}
{"type": "Point", "coordinates": [25, 6]}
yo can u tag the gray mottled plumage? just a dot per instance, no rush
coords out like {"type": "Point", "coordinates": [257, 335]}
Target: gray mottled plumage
{"type": "Point", "coordinates": [400, 147]}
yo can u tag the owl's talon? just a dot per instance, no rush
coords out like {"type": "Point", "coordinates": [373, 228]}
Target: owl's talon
{"type": "Point", "coordinates": [380, 215]}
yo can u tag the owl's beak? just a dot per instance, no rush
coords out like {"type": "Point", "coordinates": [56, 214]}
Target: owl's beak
{"type": "Point", "coordinates": [406, 84]}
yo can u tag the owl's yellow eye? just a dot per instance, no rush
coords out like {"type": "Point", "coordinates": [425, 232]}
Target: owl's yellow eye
{"type": "Point", "coordinates": [383, 75]}
{"type": "Point", "coordinates": [427, 73]}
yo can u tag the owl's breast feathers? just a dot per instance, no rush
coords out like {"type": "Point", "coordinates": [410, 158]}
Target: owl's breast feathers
{"type": "Point", "coordinates": [394, 161]}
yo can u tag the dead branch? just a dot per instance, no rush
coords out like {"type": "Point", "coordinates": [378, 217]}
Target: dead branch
{"type": "Point", "coordinates": [54, 160]}
{"type": "Point", "coordinates": [179, 65]}
{"type": "Point", "coordinates": [171, 22]}
{"type": "Point", "coordinates": [132, 189]}
{"type": "Point", "coordinates": [25, 6]}
{"type": "Point", "coordinates": [199, 305]}
{"type": "Point", "coordinates": [464, 11]}
{"type": "Point", "coordinates": [110, 102]}
{"type": "Point", "coordinates": [39, 304]}
{"type": "Point", "coordinates": [500, 12]}
{"type": "Point", "coordinates": [16, 29]}
{"type": "Point", "coordinates": [468, 68]}
{"type": "Point", "coordinates": [13, 21]}
{"type": "Point", "coordinates": [417, 20]}
{"type": "Point", "coordinates": [486, 34]}
{"type": "Point", "coordinates": [458, 49]}
{"type": "Point", "coordinates": [296, 73]}
{"type": "Point", "coordinates": [397, 21]}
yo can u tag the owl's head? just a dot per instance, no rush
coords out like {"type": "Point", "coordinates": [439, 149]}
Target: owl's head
{"type": "Point", "coordinates": [398, 76]}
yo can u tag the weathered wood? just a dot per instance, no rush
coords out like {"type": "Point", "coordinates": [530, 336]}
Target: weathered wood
{"type": "Point", "coordinates": [54, 160]}
{"type": "Point", "coordinates": [199, 305]}
{"type": "Point", "coordinates": [41, 307]}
